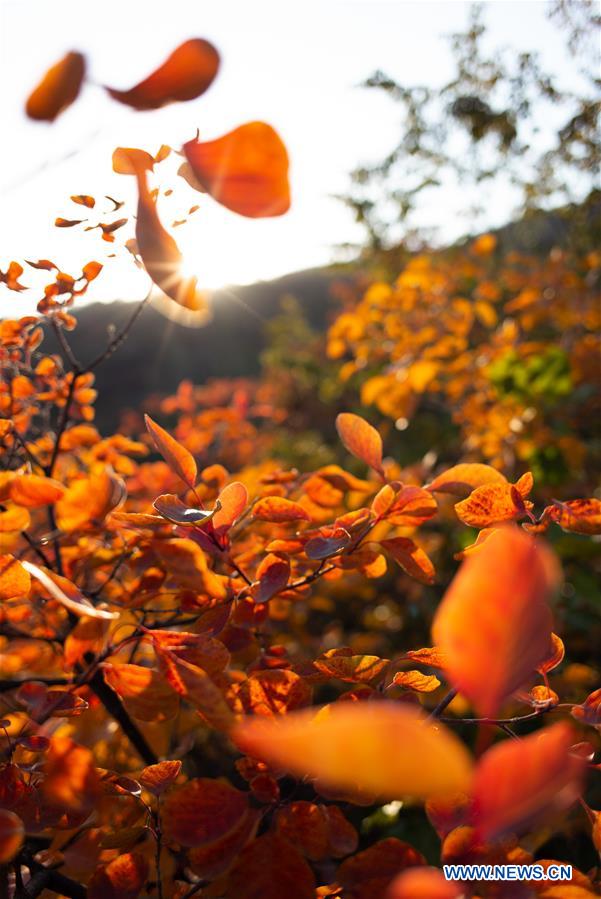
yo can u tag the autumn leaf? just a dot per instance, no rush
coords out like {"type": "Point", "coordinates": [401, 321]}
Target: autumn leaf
{"type": "Point", "coordinates": [581, 516]}
{"type": "Point", "coordinates": [492, 504]}
{"type": "Point", "coordinates": [415, 680]}
{"type": "Point", "coordinates": [15, 580]}
{"type": "Point", "coordinates": [232, 502]}
{"type": "Point", "coordinates": [173, 509]}
{"type": "Point", "coordinates": [70, 779]}
{"type": "Point", "coordinates": [176, 456]}
{"type": "Point", "coordinates": [84, 200]}
{"type": "Point", "coordinates": [58, 88]}
{"type": "Point", "coordinates": [88, 636]}
{"type": "Point", "coordinates": [213, 859]}
{"type": "Point", "coordinates": [343, 665]}
{"type": "Point", "coordinates": [65, 592]}
{"type": "Point", "coordinates": [278, 509]}
{"type": "Point", "coordinates": [157, 249]}
{"type": "Point", "coordinates": [158, 778]}
{"type": "Point", "coordinates": [590, 710]}
{"type": "Point", "coordinates": [410, 557]}
{"type": "Point", "coordinates": [354, 746]}
{"type": "Point", "coordinates": [143, 690]}
{"type": "Point", "coordinates": [423, 883]}
{"type": "Point", "coordinates": [272, 576]}
{"type": "Point", "coordinates": [270, 868]}
{"type": "Point", "coordinates": [185, 75]}
{"type": "Point", "coordinates": [194, 684]}
{"type": "Point", "coordinates": [463, 478]}
{"type": "Point", "coordinates": [277, 692]}
{"type": "Point", "coordinates": [246, 170]}
{"type": "Point", "coordinates": [360, 439]}
{"type": "Point", "coordinates": [494, 625]}
{"type": "Point", "coordinates": [371, 871]}
{"type": "Point", "coordinates": [202, 811]}
{"type": "Point", "coordinates": [33, 491]}
{"type": "Point", "coordinates": [122, 878]}
{"type": "Point", "coordinates": [519, 783]}
{"type": "Point", "coordinates": [12, 835]}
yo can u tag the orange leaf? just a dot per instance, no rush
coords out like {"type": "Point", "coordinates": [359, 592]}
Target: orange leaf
{"type": "Point", "coordinates": [70, 780]}
{"type": "Point", "coordinates": [494, 624]}
{"type": "Point", "coordinates": [58, 88]}
{"type": "Point", "coordinates": [186, 562]}
{"type": "Point", "coordinates": [521, 782]}
{"type": "Point", "coordinates": [88, 501]}
{"type": "Point", "coordinates": [411, 558]}
{"type": "Point", "coordinates": [304, 825]}
{"type": "Point", "coordinates": [271, 868]}
{"type": "Point", "coordinates": [202, 811]}
{"type": "Point", "coordinates": [355, 746]}
{"type": "Point", "coordinates": [423, 883]}
{"type": "Point", "coordinates": [143, 690]}
{"type": "Point", "coordinates": [14, 579]}
{"type": "Point", "coordinates": [272, 576]}
{"type": "Point", "coordinates": [156, 247]}
{"type": "Point", "coordinates": [581, 516]}
{"type": "Point", "coordinates": [415, 680]}
{"type": "Point", "coordinates": [554, 657]}
{"type": "Point", "coordinates": [158, 778]}
{"type": "Point", "coordinates": [14, 518]}
{"type": "Point", "coordinates": [369, 873]}
{"type": "Point", "coordinates": [185, 74]}
{"type": "Point", "coordinates": [246, 170]}
{"type": "Point", "coordinates": [361, 439]}
{"type": "Point", "coordinates": [177, 457]}
{"type": "Point", "coordinates": [278, 509]}
{"type": "Point", "coordinates": [462, 479]}
{"type": "Point", "coordinates": [411, 507]}
{"type": "Point", "coordinates": [590, 711]}
{"type": "Point", "coordinates": [84, 200]}
{"type": "Point", "coordinates": [195, 685]}
{"type": "Point", "coordinates": [492, 504]}
{"type": "Point", "coordinates": [431, 655]}
{"type": "Point", "coordinates": [269, 693]}
{"type": "Point", "coordinates": [233, 500]}
{"type": "Point", "coordinates": [88, 636]}
{"type": "Point", "coordinates": [213, 859]}
{"type": "Point", "coordinates": [123, 878]}
{"type": "Point", "coordinates": [355, 669]}
{"type": "Point", "coordinates": [12, 834]}
{"type": "Point", "coordinates": [32, 491]}
{"type": "Point", "coordinates": [173, 509]}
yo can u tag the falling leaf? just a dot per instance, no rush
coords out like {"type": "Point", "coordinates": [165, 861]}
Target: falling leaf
{"type": "Point", "coordinates": [278, 509]}
{"type": "Point", "coordinates": [411, 558]}
{"type": "Point", "coordinates": [246, 170]}
{"type": "Point", "coordinates": [84, 200]}
{"type": "Point", "coordinates": [361, 439]}
{"type": "Point", "coordinates": [67, 223]}
{"type": "Point", "coordinates": [462, 479]}
{"type": "Point", "coordinates": [58, 88]}
{"type": "Point", "coordinates": [355, 746]}
{"type": "Point", "coordinates": [185, 75]}
{"type": "Point", "coordinates": [494, 624]}
{"type": "Point", "coordinates": [519, 783]}
{"type": "Point", "coordinates": [176, 456]}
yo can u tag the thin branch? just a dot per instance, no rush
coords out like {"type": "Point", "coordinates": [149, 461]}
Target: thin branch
{"type": "Point", "coordinates": [119, 338]}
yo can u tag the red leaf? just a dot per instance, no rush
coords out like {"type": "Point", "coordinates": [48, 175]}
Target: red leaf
{"type": "Point", "coordinates": [245, 170]}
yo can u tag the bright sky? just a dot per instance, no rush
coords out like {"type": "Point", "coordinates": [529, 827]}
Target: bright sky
{"type": "Point", "coordinates": [293, 63]}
